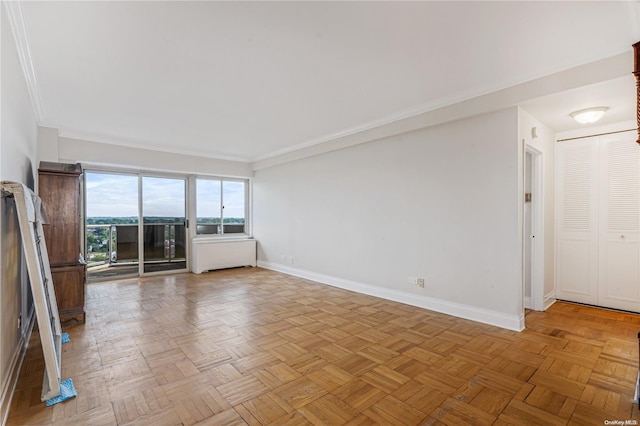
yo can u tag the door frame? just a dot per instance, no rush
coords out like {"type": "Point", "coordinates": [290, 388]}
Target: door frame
{"type": "Point", "coordinates": [185, 179]}
{"type": "Point", "coordinates": [140, 174]}
{"type": "Point", "coordinates": [96, 169]}
{"type": "Point", "coordinates": [537, 228]}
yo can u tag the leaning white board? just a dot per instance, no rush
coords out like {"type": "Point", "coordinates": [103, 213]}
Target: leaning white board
{"type": "Point", "coordinates": [29, 208]}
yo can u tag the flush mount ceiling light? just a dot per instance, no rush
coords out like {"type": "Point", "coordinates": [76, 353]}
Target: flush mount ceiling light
{"type": "Point", "coordinates": [589, 115]}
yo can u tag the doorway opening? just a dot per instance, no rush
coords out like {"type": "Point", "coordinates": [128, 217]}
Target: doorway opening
{"type": "Point", "coordinates": [533, 238]}
{"type": "Point", "coordinates": [164, 224]}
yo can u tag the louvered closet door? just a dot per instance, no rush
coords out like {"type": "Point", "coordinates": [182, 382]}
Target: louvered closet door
{"type": "Point", "coordinates": [619, 243]}
{"type": "Point", "coordinates": [577, 225]}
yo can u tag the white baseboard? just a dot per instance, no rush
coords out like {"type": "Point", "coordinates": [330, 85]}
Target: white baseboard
{"type": "Point", "coordinates": [510, 322]}
{"type": "Point", "coordinates": [9, 386]}
{"type": "Point", "coordinates": [549, 299]}
{"type": "Point", "coordinates": [527, 302]}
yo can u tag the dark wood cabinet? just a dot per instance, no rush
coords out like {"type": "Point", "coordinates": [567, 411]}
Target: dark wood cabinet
{"type": "Point", "coordinates": [59, 187]}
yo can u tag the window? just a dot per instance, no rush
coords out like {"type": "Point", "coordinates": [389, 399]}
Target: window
{"type": "Point", "coordinates": [221, 206]}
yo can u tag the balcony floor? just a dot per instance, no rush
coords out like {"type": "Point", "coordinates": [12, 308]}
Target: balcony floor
{"type": "Point", "coordinates": [131, 270]}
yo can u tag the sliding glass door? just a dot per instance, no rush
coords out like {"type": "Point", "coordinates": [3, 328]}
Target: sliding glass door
{"type": "Point", "coordinates": [164, 223]}
{"type": "Point", "coordinates": [116, 204]}
{"type": "Point", "coordinates": [111, 225]}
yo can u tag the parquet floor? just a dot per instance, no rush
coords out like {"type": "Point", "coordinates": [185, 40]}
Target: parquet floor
{"type": "Point", "coordinates": [251, 346]}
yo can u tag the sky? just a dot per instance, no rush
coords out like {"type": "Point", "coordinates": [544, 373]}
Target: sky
{"type": "Point", "coordinates": [116, 195]}
{"type": "Point", "coordinates": [208, 198]}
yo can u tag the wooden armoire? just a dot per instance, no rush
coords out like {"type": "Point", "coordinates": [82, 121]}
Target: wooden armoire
{"type": "Point", "coordinates": [59, 187]}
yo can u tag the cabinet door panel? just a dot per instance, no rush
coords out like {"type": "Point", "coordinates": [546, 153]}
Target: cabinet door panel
{"type": "Point", "coordinates": [60, 196]}
{"type": "Point", "coordinates": [68, 283]}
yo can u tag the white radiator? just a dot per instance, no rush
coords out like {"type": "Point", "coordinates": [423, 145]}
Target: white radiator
{"type": "Point", "coordinates": [218, 254]}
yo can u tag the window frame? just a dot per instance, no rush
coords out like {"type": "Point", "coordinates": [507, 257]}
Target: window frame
{"type": "Point", "coordinates": [191, 204]}
{"type": "Point", "coordinates": [247, 208]}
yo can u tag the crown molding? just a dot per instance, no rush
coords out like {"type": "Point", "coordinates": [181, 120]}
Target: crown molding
{"type": "Point", "coordinates": [384, 121]}
{"type": "Point", "coordinates": [145, 145]}
{"type": "Point", "coordinates": [16, 22]}
{"type": "Point", "coordinates": [481, 102]}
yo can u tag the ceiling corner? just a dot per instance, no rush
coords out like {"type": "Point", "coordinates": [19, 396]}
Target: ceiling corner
{"type": "Point", "coordinates": [16, 22]}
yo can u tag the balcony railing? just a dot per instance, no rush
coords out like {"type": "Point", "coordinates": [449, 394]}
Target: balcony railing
{"type": "Point", "coordinates": [215, 228]}
{"type": "Point", "coordinates": [118, 243]}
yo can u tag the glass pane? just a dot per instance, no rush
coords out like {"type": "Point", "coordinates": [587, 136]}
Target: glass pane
{"type": "Point", "coordinates": [163, 216]}
{"type": "Point", "coordinates": [111, 225]}
{"type": "Point", "coordinates": [208, 206]}
{"type": "Point", "coordinates": [233, 207]}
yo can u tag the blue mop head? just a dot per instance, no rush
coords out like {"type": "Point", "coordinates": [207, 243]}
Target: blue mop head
{"type": "Point", "coordinates": [67, 391]}
{"type": "Point", "coordinates": [65, 337]}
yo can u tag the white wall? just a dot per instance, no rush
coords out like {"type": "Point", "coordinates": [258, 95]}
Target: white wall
{"type": "Point", "coordinates": [47, 144]}
{"type": "Point", "coordinates": [68, 150]}
{"type": "Point", "coordinates": [17, 163]}
{"type": "Point", "coordinates": [440, 203]}
{"type": "Point", "coordinates": [545, 144]}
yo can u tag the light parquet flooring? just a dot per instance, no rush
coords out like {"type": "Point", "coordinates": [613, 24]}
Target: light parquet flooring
{"type": "Point", "coordinates": [251, 346]}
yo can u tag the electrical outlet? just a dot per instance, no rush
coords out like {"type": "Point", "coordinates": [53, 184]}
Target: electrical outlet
{"type": "Point", "coordinates": [291, 260]}
{"type": "Point", "coordinates": [420, 282]}
{"type": "Point", "coordinates": [413, 280]}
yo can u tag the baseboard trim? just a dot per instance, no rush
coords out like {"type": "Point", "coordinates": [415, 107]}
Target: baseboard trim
{"type": "Point", "coordinates": [9, 387]}
{"type": "Point", "coordinates": [549, 299]}
{"type": "Point", "coordinates": [498, 319]}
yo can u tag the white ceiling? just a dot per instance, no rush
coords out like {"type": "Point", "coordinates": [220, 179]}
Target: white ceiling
{"type": "Point", "coordinates": [247, 80]}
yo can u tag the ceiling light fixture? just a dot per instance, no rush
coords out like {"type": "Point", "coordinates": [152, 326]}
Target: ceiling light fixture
{"type": "Point", "coordinates": [589, 115]}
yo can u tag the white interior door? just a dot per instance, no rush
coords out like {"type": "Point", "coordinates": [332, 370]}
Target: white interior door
{"type": "Point", "coordinates": [577, 224]}
{"type": "Point", "coordinates": [598, 221]}
{"type": "Point", "coordinates": [619, 254]}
